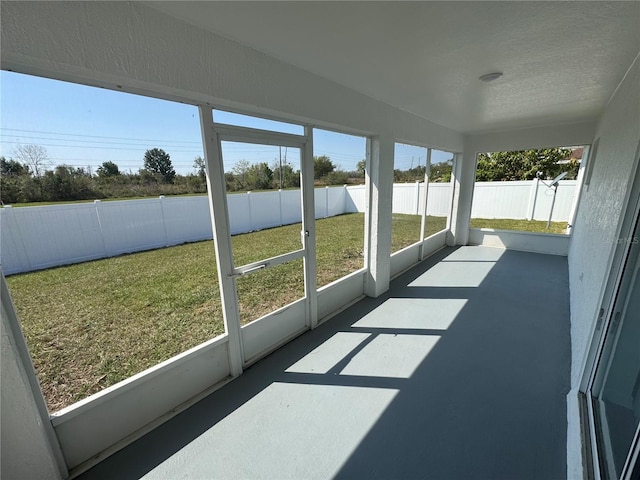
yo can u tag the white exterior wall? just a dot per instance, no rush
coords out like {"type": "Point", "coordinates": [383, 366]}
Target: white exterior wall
{"type": "Point", "coordinates": [601, 205]}
{"type": "Point", "coordinates": [596, 228]}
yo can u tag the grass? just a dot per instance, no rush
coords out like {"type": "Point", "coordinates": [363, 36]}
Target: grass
{"type": "Point", "coordinates": [538, 226]}
{"type": "Point", "coordinates": [94, 324]}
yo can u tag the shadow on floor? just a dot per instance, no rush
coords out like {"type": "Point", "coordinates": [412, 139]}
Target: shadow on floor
{"type": "Point", "coordinates": [459, 371]}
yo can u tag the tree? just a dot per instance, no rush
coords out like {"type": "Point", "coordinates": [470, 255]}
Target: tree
{"type": "Point", "coordinates": [108, 169]}
{"type": "Point", "coordinates": [441, 172]}
{"type": "Point", "coordinates": [337, 177]}
{"type": "Point", "coordinates": [322, 166]}
{"type": "Point", "coordinates": [525, 164]}
{"type": "Point", "coordinates": [34, 157]}
{"type": "Point", "coordinates": [157, 161]}
{"type": "Point", "coordinates": [12, 168]}
{"type": "Point", "coordinates": [240, 170]}
{"type": "Point", "coordinates": [285, 176]}
{"type": "Point", "coordinates": [361, 167]}
{"type": "Point", "coordinates": [200, 167]}
{"type": "Point", "coordinates": [259, 176]}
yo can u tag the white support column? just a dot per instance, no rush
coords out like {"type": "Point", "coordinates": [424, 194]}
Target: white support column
{"type": "Point", "coordinates": [463, 178]}
{"type": "Point", "coordinates": [222, 238]}
{"type": "Point", "coordinates": [577, 193]}
{"type": "Point", "coordinates": [309, 229]}
{"type": "Point", "coordinates": [379, 183]}
{"type": "Point", "coordinates": [423, 222]}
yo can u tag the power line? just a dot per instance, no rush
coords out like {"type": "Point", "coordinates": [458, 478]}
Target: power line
{"type": "Point", "coordinates": [96, 136]}
{"type": "Point", "coordinates": [81, 141]}
{"type": "Point", "coordinates": [100, 148]}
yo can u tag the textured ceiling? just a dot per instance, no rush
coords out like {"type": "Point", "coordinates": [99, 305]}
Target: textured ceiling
{"type": "Point", "coordinates": [561, 60]}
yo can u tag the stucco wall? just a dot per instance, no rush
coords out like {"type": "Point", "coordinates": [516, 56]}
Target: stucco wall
{"type": "Point", "coordinates": [601, 206]}
{"type": "Point", "coordinates": [596, 228]}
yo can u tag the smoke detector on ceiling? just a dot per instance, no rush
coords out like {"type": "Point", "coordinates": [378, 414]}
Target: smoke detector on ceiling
{"type": "Point", "coordinates": [490, 77]}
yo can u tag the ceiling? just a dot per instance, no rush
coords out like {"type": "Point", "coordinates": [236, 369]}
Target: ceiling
{"type": "Point", "coordinates": [562, 61]}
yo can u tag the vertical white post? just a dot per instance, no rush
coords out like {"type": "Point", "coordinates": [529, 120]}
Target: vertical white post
{"type": "Point", "coordinates": [249, 211]}
{"type": "Point", "coordinates": [280, 204]}
{"type": "Point", "coordinates": [379, 182]}
{"type": "Point", "coordinates": [326, 201]}
{"type": "Point", "coordinates": [577, 192]}
{"type": "Point", "coordinates": [164, 221]}
{"type": "Point", "coordinates": [309, 229]}
{"type": "Point", "coordinates": [221, 238]}
{"type": "Point", "coordinates": [345, 193]}
{"type": "Point", "coordinates": [98, 206]}
{"type": "Point", "coordinates": [423, 222]}
{"type": "Point", "coordinates": [463, 177]}
{"type": "Point", "coordinates": [32, 449]}
{"type": "Point", "coordinates": [533, 197]}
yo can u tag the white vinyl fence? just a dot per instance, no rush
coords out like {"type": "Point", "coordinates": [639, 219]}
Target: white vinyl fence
{"type": "Point", "coordinates": [529, 199]}
{"type": "Point", "coordinates": [33, 238]}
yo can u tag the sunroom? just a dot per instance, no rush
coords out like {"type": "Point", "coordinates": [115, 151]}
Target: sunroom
{"type": "Point", "coordinates": [468, 352]}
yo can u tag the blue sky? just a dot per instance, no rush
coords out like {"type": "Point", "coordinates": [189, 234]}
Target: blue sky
{"type": "Point", "coordinates": [85, 126]}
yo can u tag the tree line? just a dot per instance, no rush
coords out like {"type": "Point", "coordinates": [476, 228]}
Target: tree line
{"type": "Point", "coordinates": [28, 176]}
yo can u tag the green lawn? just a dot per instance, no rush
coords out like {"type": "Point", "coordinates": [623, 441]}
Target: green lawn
{"type": "Point", "coordinates": [539, 226]}
{"type": "Point", "coordinates": [93, 324]}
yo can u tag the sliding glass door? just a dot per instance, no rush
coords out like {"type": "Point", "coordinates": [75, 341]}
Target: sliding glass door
{"type": "Point", "coordinates": [615, 394]}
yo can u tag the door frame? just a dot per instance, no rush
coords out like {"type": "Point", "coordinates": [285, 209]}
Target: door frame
{"type": "Point", "coordinates": [213, 135]}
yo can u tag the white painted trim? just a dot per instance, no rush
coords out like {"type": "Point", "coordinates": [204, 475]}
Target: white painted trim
{"type": "Point", "coordinates": [268, 262]}
{"type": "Point", "coordinates": [25, 364]}
{"type": "Point", "coordinates": [348, 289]}
{"type": "Point", "coordinates": [83, 467]}
{"type": "Point", "coordinates": [586, 154]}
{"type": "Point", "coordinates": [309, 230]}
{"type": "Point", "coordinates": [290, 319]}
{"type": "Point", "coordinates": [548, 243]}
{"type": "Point", "coordinates": [234, 133]}
{"type": "Point", "coordinates": [97, 428]}
{"type": "Point", "coordinates": [216, 187]}
{"type": "Point", "coordinates": [104, 396]}
{"type": "Point", "coordinates": [423, 219]}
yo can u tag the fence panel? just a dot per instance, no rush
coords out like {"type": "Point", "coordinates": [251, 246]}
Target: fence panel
{"type": "Point", "coordinates": [291, 206]}
{"type": "Point", "coordinates": [131, 226]}
{"type": "Point", "coordinates": [320, 197]}
{"type": "Point", "coordinates": [52, 235]}
{"type": "Point", "coordinates": [439, 201]}
{"type": "Point", "coordinates": [42, 237]}
{"type": "Point", "coordinates": [265, 210]}
{"type": "Point", "coordinates": [336, 201]}
{"type": "Point", "coordinates": [239, 213]}
{"type": "Point", "coordinates": [356, 199]}
{"type": "Point", "coordinates": [561, 208]}
{"type": "Point", "coordinates": [501, 200]}
{"type": "Point", "coordinates": [405, 198]}
{"type": "Point", "coordinates": [187, 219]}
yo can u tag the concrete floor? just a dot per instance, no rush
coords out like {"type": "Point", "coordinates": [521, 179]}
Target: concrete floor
{"type": "Point", "coordinates": [459, 371]}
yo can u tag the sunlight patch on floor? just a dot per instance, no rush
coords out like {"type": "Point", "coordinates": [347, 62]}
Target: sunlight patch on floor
{"type": "Point", "coordinates": [414, 313]}
{"type": "Point", "coordinates": [323, 358]}
{"type": "Point", "coordinates": [390, 355]}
